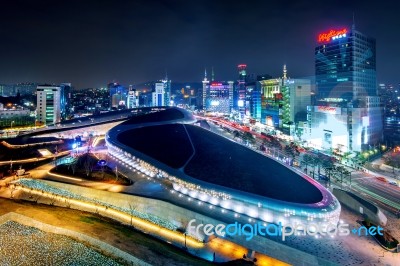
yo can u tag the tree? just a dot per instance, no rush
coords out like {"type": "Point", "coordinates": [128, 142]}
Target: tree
{"type": "Point", "coordinates": [236, 134]}
{"type": "Point", "coordinates": [73, 165]}
{"type": "Point", "coordinates": [132, 209]}
{"type": "Point", "coordinates": [299, 132]}
{"type": "Point", "coordinates": [314, 162]}
{"type": "Point", "coordinates": [326, 164]}
{"type": "Point", "coordinates": [249, 137]}
{"type": "Point", "coordinates": [393, 159]}
{"type": "Point", "coordinates": [311, 160]}
{"type": "Point", "coordinates": [342, 172]}
{"type": "Point", "coordinates": [290, 152]}
{"type": "Point", "coordinates": [307, 160]}
{"type": "Point", "coordinates": [53, 199]}
{"type": "Point", "coordinates": [87, 164]}
{"type": "Point", "coordinates": [184, 227]}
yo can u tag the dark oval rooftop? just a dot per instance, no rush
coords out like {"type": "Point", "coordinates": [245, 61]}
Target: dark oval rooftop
{"type": "Point", "coordinates": [217, 160]}
{"type": "Point", "coordinates": [164, 115]}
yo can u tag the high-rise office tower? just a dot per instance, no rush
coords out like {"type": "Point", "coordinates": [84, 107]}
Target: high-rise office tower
{"type": "Point", "coordinates": [158, 95]}
{"type": "Point", "coordinates": [167, 90]}
{"type": "Point", "coordinates": [118, 95]}
{"type": "Point", "coordinates": [133, 99]}
{"type": "Point", "coordinates": [219, 97]}
{"type": "Point", "coordinates": [65, 100]}
{"type": "Point", "coordinates": [348, 113]}
{"type": "Point", "coordinates": [205, 89]}
{"type": "Point", "coordinates": [48, 107]}
{"type": "Point", "coordinates": [283, 101]}
{"type": "Point", "coordinates": [345, 66]}
{"type": "Point", "coordinates": [240, 91]}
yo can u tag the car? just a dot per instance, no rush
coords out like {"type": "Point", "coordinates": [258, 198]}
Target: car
{"type": "Point", "coordinates": [381, 178]}
{"type": "Point", "coordinates": [323, 177]}
{"type": "Point", "coordinates": [394, 183]}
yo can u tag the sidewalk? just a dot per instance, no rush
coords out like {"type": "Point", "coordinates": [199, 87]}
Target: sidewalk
{"type": "Point", "coordinates": [378, 167]}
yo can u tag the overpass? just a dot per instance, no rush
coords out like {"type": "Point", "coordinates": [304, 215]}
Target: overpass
{"type": "Point", "coordinates": [82, 123]}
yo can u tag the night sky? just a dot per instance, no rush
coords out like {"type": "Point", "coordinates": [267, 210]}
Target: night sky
{"type": "Point", "coordinates": [91, 43]}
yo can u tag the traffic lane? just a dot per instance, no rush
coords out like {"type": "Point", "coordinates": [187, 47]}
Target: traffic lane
{"type": "Point", "coordinates": [385, 190]}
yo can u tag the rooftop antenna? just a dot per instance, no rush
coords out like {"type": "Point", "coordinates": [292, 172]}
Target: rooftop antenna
{"type": "Point", "coordinates": [284, 75]}
{"type": "Point", "coordinates": [212, 73]}
{"type": "Point", "coordinates": [205, 73]}
{"type": "Point", "coordinates": [354, 23]}
{"type": "Point", "coordinates": [284, 71]}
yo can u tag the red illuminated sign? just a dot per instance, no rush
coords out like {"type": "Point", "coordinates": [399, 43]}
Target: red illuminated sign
{"type": "Point", "coordinates": [328, 109]}
{"type": "Point", "coordinates": [331, 35]}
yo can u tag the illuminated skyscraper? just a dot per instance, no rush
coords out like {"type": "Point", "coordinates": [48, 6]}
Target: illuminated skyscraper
{"type": "Point", "coordinates": [283, 100]}
{"type": "Point", "coordinates": [65, 99]}
{"type": "Point", "coordinates": [345, 66]}
{"type": "Point", "coordinates": [219, 97]}
{"type": "Point", "coordinates": [118, 95]}
{"type": "Point", "coordinates": [240, 90]}
{"type": "Point", "coordinates": [167, 90]}
{"type": "Point", "coordinates": [158, 96]}
{"type": "Point", "coordinates": [133, 99]}
{"type": "Point", "coordinates": [348, 115]}
{"type": "Point", "coordinates": [48, 110]}
{"type": "Point", "coordinates": [204, 91]}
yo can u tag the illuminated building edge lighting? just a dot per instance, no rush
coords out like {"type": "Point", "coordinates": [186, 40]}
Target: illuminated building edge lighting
{"type": "Point", "coordinates": [262, 208]}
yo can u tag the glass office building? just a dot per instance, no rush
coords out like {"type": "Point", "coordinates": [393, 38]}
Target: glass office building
{"type": "Point", "coordinates": [348, 114]}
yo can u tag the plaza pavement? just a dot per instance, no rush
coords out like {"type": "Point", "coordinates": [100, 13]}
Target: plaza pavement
{"type": "Point", "coordinates": [348, 250]}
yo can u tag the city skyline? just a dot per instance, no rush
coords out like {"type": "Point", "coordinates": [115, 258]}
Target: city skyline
{"type": "Point", "coordinates": [90, 44]}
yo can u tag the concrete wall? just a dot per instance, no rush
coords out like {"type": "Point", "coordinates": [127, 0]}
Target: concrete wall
{"type": "Point", "coordinates": [361, 206]}
{"type": "Point", "coordinates": [180, 217]}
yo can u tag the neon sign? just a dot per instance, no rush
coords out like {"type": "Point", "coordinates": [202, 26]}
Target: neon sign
{"type": "Point", "coordinates": [332, 35]}
{"type": "Point", "coordinates": [328, 109]}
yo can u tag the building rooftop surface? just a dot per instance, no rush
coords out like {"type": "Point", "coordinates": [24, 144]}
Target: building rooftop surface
{"type": "Point", "coordinates": [205, 156]}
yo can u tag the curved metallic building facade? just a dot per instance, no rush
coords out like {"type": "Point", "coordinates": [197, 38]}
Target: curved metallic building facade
{"type": "Point", "coordinates": [312, 203]}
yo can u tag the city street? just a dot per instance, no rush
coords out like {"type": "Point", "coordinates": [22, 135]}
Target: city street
{"type": "Point", "coordinates": [365, 184]}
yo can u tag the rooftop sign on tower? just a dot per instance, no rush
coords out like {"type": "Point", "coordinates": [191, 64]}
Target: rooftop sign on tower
{"type": "Point", "coordinates": [332, 35]}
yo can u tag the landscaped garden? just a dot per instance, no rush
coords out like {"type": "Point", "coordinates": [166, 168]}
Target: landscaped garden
{"type": "Point", "coordinates": [88, 167]}
{"type": "Point", "coordinates": [386, 240]}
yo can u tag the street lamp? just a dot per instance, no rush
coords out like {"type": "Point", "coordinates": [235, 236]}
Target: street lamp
{"type": "Point", "coordinates": [12, 122]}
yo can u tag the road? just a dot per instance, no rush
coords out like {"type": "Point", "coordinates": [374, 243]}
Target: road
{"type": "Point", "coordinates": [112, 116]}
{"type": "Point", "coordinates": [382, 192]}
{"type": "Point", "coordinates": [367, 185]}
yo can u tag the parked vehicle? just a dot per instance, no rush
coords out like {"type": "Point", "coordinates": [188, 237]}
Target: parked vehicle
{"type": "Point", "coordinates": [323, 177]}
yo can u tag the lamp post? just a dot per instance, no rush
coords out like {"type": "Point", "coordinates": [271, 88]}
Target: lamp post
{"type": "Point", "coordinates": [11, 124]}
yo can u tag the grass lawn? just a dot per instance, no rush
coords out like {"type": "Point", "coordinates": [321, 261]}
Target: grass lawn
{"type": "Point", "coordinates": [123, 237]}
